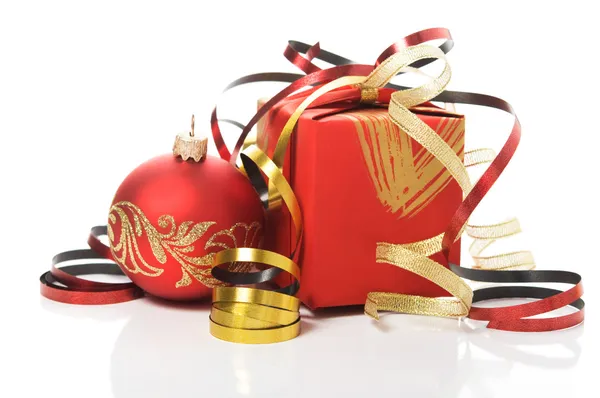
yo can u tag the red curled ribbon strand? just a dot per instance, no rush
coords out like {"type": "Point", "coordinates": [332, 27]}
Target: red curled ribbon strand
{"type": "Point", "coordinates": [64, 285]}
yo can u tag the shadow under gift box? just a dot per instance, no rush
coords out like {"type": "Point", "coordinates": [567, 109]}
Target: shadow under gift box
{"type": "Point", "coordinates": [359, 181]}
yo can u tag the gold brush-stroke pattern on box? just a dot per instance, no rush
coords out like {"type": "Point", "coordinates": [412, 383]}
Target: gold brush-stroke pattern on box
{"type": "Point", "coordinates": [405, 182]}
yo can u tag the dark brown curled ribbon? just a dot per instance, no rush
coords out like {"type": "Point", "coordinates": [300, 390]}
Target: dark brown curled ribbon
{"type": "Point", "coordinates": [516, 317]}
{"type": "Point", "coordinates": [63, 283]}
{"type": "Point", "coordinates": [295, 49]}
{"type": "Point", "coordinates": [255, 78]}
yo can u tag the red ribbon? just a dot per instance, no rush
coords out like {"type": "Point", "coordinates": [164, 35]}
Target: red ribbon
{"type": "Point", "coordinates": [63, 284]}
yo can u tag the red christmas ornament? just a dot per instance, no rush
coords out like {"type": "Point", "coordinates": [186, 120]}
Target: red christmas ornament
{"type": "Point", "coordinates": [174, 212]}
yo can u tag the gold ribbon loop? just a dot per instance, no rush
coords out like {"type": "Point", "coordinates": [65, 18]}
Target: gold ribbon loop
{"type": "Point", "coordinates": [268, 315]}
{"type": "Point", "coordinates": [256, 316]}
{"type": "Point", "coordinates": [410, 123]}
{"type": "Point", "coordinates": [485, 236]}
{"type": "Point", "coordinates": [417, 261]}
{"type": "Point", "coordinates": [255, 336]}
{"type": "Point", "coordinates": [288, 129]}
{"type": "Point", "coordinates": [244, 320]}
{"type": "Point", "coordinates": [479, 156]}
{"type": "Point", "coordinates": [514, 260]}
{"type": "Point", "coordinates": [278, 185]}
{"type": "Point", "coordinates": [413, 257]}
{"type": "Point", "coordinates": [256, 296]}
{"type": "Point", "coordinates": [445, 307]}
{"type": "Point", "coordinates": [248, 254]}
{"type": "Point", "coordinates": [494, 231]}
{"type": "Point", "coordinates": [403, 59]}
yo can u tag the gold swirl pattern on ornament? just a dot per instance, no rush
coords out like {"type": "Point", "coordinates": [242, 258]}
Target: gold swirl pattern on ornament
{"type": "Point", "coordinates": [175, 241]}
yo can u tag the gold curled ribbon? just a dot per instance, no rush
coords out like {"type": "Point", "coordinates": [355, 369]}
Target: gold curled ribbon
{"type": "Point", "coordinates": [252, 315]}
{"type": "Point", "coordinates": [485, 236]}
{"type": "Point", "coordinates": [288, 129]}
{"type": "Point", "coordinates": [416, 260]}
{"type": "Point", "coordinates": [414, 257]}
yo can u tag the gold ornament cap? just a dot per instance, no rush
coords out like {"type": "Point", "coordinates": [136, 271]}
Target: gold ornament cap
{"type": "Point", "coordinates": [187, 145]}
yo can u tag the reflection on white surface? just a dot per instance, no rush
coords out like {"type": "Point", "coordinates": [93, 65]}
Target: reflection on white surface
{"type": "Point", "coordinates": [165, 350]}
{"type": "Point", "coordinates": [242, 376]}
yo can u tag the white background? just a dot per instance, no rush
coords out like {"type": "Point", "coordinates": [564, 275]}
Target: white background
{"type": "Point", "coordinates": [88, 90]}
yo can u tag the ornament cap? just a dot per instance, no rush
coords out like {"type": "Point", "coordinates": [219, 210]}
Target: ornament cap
{"type": "Point", "coordinates": [187, 145]}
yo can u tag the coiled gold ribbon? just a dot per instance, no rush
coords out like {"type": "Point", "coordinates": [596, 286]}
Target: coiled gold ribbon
{"type": "Point", "coordinates": [251, 315]}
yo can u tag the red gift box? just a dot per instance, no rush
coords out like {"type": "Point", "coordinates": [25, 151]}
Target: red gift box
{"type": "Point", "coordinates": [359, 181]}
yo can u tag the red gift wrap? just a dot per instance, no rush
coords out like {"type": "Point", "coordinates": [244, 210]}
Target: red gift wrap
{"type": "Point", "coordinates": [359, 181]}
